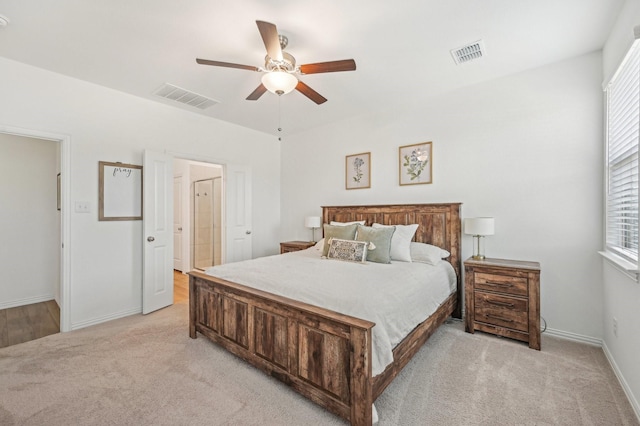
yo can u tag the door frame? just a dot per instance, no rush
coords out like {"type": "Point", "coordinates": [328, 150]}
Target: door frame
{"type": "Point", "coordinates": [182, 257]}
{"type": "Point", "coordinates": [65, 217]}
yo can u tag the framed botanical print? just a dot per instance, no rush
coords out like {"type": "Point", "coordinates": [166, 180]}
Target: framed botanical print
{"type": "Point", "coordinates": [358, 171]}
{"type": "Point", "coordinates": [415, 163]}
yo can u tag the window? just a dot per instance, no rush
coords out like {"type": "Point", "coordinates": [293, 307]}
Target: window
{"type": "Point", "coordinates": [622, 137]}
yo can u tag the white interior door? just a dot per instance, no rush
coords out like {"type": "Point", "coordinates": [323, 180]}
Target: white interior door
{"type": "Point", "coordinates": [238, 213]}
{"type": "Point", "coordinates": [157, 287]}
{"type": "Point", "coordinates": [177, 224]}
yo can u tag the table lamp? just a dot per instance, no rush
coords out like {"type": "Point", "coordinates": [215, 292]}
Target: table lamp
{"type": "Point", "coordinates": [312, 222]}
{"type": "Point", "coordinates": [479, 227]}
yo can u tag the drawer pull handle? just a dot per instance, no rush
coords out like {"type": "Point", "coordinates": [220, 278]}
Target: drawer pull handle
{"type": "Point", "coordinates": [499, 284]}
{"type": "Point", "coordinates": [499, 318]}
{"type": "Point", "coordinates": [503, 304]}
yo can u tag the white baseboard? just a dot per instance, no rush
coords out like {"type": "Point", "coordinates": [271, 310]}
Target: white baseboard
{"type": "Point", "coordinates": [573, 336]}
{"type": "Point", "coordinates": [625, 386]}
{"type": "Point", "coordinates": [26, 301]}
{"type": "Point", "coordinates": [94, 321]}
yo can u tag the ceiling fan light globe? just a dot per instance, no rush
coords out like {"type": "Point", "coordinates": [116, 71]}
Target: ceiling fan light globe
{"type": "Point", "coordinates": [279, 82]}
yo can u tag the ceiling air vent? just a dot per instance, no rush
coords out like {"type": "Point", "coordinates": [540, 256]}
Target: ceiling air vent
{"type": "Point", "coordinates": [469, 52]}
{"type": "Point", "coordinates": [177, 94]}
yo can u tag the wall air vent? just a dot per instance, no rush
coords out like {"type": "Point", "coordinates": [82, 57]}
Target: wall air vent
{"type": "Point", "coordinates": [177, 94]}
{"type": "Point", "coordinates": [469, 52]}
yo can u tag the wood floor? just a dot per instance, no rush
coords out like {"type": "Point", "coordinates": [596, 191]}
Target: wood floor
{"type": "Point", "coordinates": [30, 322]}
{"type": "Point", "coordinates": [180, 287]}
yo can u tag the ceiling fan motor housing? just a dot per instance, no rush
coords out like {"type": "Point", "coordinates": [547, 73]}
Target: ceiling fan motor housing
{"type": "Point", "coordinates": [288, 63]}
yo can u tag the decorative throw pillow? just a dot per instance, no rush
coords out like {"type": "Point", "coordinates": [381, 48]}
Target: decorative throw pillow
{"type": "Point", "coordinates": [381, 239]}
{"type": "Point", "coordinates": [347, 232]}
{"type": "Point", "coordinates": [400, 241]}
{"type": "Point", "coordinates": [349, 250]}
{"type": "Point", "coordinates": [426, 253]}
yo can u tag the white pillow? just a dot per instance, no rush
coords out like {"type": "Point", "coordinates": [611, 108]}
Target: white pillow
{"type": "Point", "coordinates": [426, 253]}
{"type": "Point", "coordinates": [319, 245]}
{"type": "Point", "coordinates": [400, 240]}
{"type": "Point", "coordinates": [359, 222]}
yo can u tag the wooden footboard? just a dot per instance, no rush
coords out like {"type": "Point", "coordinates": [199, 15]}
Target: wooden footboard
{"type": "Point", "coordinates": [324, 355]}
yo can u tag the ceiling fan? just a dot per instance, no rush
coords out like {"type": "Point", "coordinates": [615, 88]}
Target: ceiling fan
{"type": "Point", "coordinates": [280, 67]}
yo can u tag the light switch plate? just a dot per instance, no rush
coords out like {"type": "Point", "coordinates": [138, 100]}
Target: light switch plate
{"type": "Point", "coordinates": [82, 207]}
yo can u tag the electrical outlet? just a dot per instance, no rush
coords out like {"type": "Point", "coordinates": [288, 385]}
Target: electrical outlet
{"type": "Point", "coordinates": [615, 326]}
{"type": "Point", "coordinates": [82, 207]}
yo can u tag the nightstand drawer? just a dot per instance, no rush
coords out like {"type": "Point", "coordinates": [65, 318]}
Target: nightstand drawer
{"type": "Point", "coordinates": [504, 311]}
{"type": "Point", "coordinates": [516, 285]}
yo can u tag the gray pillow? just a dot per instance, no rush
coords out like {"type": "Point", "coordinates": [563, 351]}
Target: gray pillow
{"type": "Point", "coordinates": [347, 232]}
{"type": "Point", "coordinates": [400, 249]}
{"type": "Point", "coordinates": [381, 239]}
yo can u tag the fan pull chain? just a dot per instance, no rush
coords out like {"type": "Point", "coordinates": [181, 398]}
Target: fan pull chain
{"type": "Point", "coordinates": [279, 117]}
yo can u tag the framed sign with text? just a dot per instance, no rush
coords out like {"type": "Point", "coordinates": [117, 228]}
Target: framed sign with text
{"type": "Point", "coordinates": [120, 191]}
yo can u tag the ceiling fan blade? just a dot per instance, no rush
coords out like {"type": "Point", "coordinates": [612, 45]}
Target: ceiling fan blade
{"type": "Point", "coordinates": [255, 95]}
{"type": "Point", "coordinates": [269, 34]}
{"type": "Point", "coordinates": [332, 66]}
{"type": "Point", "coordinates": [226, 64]}
{"type": "Point", "coordinates": [310, 93]}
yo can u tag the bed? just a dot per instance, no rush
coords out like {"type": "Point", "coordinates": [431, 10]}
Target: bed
{"type": "Point", "coordinates": [323, 354]}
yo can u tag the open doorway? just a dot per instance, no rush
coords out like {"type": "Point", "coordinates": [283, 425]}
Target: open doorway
{"type": "Point", "coordinates": [158, 204]}
{"type": "Point", "coordinates": [33, 210]}
{"type": "Point", "coordinates": [198, 220]}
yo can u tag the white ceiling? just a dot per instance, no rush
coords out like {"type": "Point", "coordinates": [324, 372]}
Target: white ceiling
{"type": "Point", "coordinates": [401, 48]}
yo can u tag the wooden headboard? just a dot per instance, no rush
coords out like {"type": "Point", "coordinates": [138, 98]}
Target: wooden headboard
{"type": "Point", "coordinates": [438, 225]}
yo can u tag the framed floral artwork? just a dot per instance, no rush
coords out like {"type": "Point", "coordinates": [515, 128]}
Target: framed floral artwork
{"type": "Point", "coordinates": [415, 163]}
{"type": "Point", "coordinates": [358, 171]}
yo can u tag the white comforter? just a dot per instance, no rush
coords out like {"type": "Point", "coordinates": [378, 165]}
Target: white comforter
{"type": "Point", "coordinates": [397, 296]}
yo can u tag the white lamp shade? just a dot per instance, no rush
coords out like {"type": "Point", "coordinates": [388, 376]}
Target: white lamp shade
{"type": "Point", "coordinates": [479, 226]}
{"type": "Point", "coordinates": [279, 82]}
{"type": "Point", "coordinates": [312, 222]}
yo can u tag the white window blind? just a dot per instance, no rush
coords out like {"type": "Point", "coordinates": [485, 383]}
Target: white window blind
{"type": "Point", "coordinates": [623, 134]}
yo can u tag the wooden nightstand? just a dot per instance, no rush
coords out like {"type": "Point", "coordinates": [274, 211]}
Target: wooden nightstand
{"type": "Point", "coordinates": [503, 297]}
{"type": "Point", "coordinates": [289, 246]}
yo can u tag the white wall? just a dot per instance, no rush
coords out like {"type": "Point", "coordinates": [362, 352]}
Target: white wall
{"type": "Point", "coordinates": [526, 149]}
{"type": "Point", "coordinates": [107, 125]}
{"type": "Point", "coordinates": [29, 221]}
{"type": "Point", "coordinates": [621, 297]}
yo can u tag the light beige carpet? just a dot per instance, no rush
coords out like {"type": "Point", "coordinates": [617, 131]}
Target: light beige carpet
{"type": "Point", "coordinates": [147, 371]}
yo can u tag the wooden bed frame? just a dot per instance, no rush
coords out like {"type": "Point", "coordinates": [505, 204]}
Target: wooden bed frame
{"type": "Point", "coordinates": [322, 354]}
